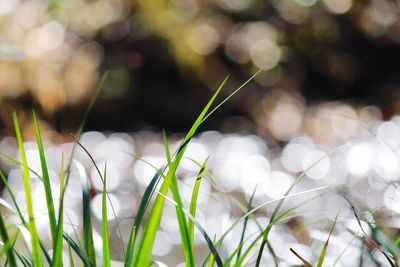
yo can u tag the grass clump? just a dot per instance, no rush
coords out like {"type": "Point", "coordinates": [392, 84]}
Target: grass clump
{"type": "Point", "coordinates": [138, 252]}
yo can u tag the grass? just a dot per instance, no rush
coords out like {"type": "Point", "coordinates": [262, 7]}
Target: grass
{"type": "Point", "coordinates": [138, 252]}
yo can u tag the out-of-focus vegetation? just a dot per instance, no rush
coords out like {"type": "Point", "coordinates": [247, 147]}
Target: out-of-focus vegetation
{"type": "Point", "coordinates": [51, 54]}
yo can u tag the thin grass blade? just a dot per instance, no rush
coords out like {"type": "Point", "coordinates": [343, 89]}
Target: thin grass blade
{"type": "Point", "coordinates": [321, 257]}
{"type": "Point", "coordinates": [208, 240]}
{"type": "Point", "coordinates": [183, 226]}
{"type": "Point", "coordinates": [58, 243]}
{"type": "Point", "coordinates": [145, 200]}
{"type": "Point", "coordinates": [77, 249]}
{"type": "Point", "coordinates": [87, 222]}
{"type": "Point", "coordinates": [104, 222]}
{"type": "Point", "coordinates": [7, 244]}
{"type": "Point", "coordinates": [71, 257]}
{"type": "Point", "coordinates": [37, 258]}
{"type": "Point", "coordinates": [245, 225]}
{"type": "Point", "coordinates": [46, 180]}
{"type": "Point", "coordinates": [193, 201]}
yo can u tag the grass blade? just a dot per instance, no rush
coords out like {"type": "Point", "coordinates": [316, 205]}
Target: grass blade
{"type": "Point", "coordinates": [193, 202]}
{"type": "Point", "coordinates": [7, 244]}
{"type": "Point", "coordinates": [370, 239]}
{"type": "Point", "coordinates": [71, 258]}
{"type": "Point", "coordinates": [244, 226]}
{"type": "Point", "coordinates": [81, 253]}
{"type": "Point", "coordinates": [211, 261]}
{"type": "Point", "coordinates": [325, 247]}
{"type": "Point", "coordinates": [183, 225]}
{"type": "Point", "coordinates": [208, 240]}
{"type": "Point", "coordinates": [104, 223]}
{"type": "Point", "coordinates": [37, 258]}
{"type": "Point", "coordinates": [46, 180]}
{"type": "Point", "coordinates": [58, 242]}
{"type": "Point", "coordinates": [145, 200]}
{"type": "Point", "coordinates": [146, 242]}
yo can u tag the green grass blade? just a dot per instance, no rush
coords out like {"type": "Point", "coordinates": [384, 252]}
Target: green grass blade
{"type": "Point", "coordinates": [46, 180]}
{"type": "Point", "coordinates": [37, 258]}
{"type": "Point", "coordinates": [7, 244]}
{"type": "Point", "coordinates": [146, 242]}
{"type": "Point", "coordinates": [58, 242]}
{"type": "Point", "coordinates": [208, 240]}
{"type": "Point", "coordinates": [245, 225]}
{"type": "Point", "coordinates": [87, 222]}
{"type": "Point", "coordinates": [193, 202]}
{"type": "Point", "coordinates": [80, 252]}
{"type": "Point", "coordinates": [211, 261]}
{"type": "Point", "coordinates": [23, 259]}
{"type": "Point", "coordinates": [71, 257]}
{"type": "Point", "coordinates": [104, 223]}
{"type": "Point", "coordinates": [183, 225]}
{"type": "Point", "coordinates": [321, 257]}
{"type": "Point", "coordinates": [145, 200]}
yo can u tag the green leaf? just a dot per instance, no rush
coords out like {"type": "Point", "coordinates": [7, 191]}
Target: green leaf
{"type": "Point", "coordinates": [104, 222]}
{"type": "Point", "coordinates": [37, 258]}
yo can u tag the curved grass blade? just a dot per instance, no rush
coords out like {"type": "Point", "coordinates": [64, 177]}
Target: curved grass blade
{"type": "Point", "coordinates": [393, 264]}
{"type": "Point", "coordinates": [104, 222]}
{"type": "Point", "coordinates": [183, 225]}
{"type": "Point", "coordinates": [102, 179]}
{"type": "Point", "coordinates": [46, 180]}
{"type": "Point", "coordinates": [7, 244]}
{"type": "Point", "coordinates": [87, 222]}
{"type": "Point", "coordinates": [211, 262]}
{"type": "Point", "coordinates": [37, 258]}
{"type": "Point", "coordinates": [58, 242]}
{"type": "Point", "coordinates": [193, 202]}
{"type": "Point", "coordinates": [234, 224]}
{"type": "Point", "coordinates": [210, 243]}
{"type": "Point", "coordinates": [81, 253]}
{"type": "Point", "coordinates": [146, 242]}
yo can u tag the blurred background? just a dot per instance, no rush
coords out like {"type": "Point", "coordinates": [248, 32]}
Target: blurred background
{"type": "Point", "coordinates": [331, 78]}
{"type": "Point", "coordinates": [166, 57]}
